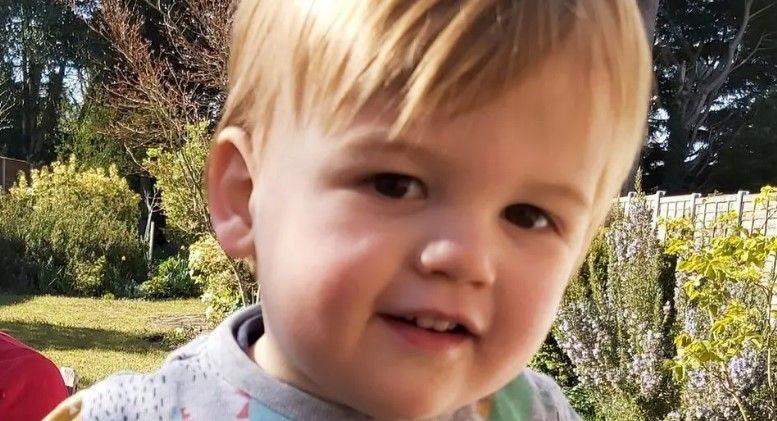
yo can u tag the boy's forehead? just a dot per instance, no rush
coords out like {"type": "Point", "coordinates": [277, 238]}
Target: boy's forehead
{"type": "Point", "coordinates": [557, 105]}
{"type": "Point", "coordinates": [465, 63]}
{"type": "Point", "coordinates": [564, 84]}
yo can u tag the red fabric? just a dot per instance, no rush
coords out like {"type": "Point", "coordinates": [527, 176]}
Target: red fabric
{"type": "Point", "coordinates": [30, 384]}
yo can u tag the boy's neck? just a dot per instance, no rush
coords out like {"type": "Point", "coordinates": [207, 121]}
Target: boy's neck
{"type": "Point", "coordinates": [266, 355]}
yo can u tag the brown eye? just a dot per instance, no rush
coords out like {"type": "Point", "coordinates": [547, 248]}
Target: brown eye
{"type": "Point", "coordinates": [398, 186]}
{"type": "Point", "coordinates": [527, 216]}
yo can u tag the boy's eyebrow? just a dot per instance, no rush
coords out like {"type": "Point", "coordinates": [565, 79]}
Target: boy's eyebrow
{"type": "Point", "coordinates": [564, 191]}
{"type": "Point", "coordinates": [378, 141]}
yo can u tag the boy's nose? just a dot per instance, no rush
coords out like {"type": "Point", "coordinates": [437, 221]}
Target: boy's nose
{"type": "Point", "coordinates": [458, 256]}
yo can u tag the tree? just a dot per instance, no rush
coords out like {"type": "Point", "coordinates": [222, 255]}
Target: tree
{"type": "Point", "coordinates": [169, 75]}
{"type": "Point", "coordinates": [749, 161]}
{"type": "Point", "coordinates": [167, 86]}
{"type": "Point", "coordinates": [41, 42]}
{"type": "Point", "coordinates": [713, 59]}
{"type": "Point", "coordinates": [85, 136]}
{"type": "Point", "coordinates": [171, 67]}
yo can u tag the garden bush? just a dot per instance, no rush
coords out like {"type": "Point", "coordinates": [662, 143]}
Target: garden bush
{"type": "Point", "coordinates": [72, 230]}
{"type": "Point", "coordinates": [726, 315]}
{"type": "Point", "coordinates": [178, 174]}
{"type": "Point", "coordinates": [226, 283]}
{"type": "Point", "coordinates": [171, 280]}
{"type": "Point", "coordinates": [679, 330]}
{"type": "Point", "coordinates": [553, 361]}
{"type": "Point", "coordinates": [617, 318]}
{"type": "Point", "coordinates": [217, 275]}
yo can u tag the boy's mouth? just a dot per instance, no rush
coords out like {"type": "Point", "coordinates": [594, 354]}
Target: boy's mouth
{"type": "Point", "coordinates": [432, 324]}
{"type": "Point", "coordinates": [430, 330]}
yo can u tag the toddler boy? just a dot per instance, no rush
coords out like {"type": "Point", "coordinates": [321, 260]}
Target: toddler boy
{"type": "Point", "coordinates": [415, 182]}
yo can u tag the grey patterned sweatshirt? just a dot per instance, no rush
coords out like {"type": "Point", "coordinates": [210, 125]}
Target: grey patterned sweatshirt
{"type": "Point", "coordinates": [212, 378]}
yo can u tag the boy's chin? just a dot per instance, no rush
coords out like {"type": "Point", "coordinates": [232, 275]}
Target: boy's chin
{"type": "Point", "coordinates": [409, 405]}
{"type": "Point", "coordinates": [409, 412]}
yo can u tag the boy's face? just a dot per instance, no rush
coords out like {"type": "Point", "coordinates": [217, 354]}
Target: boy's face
{"type": "Point", "coordinates": [474, 222]}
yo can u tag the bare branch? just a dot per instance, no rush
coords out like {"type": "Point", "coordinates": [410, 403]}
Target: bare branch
{"type": "Point", "coordinates": [727, 62]}
{"type": "Point", "coordinates": [757, 49]}
{"type": "Point", "coordinates": [154, 100]}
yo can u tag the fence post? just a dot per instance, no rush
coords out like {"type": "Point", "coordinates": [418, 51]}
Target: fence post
{"type": "Point", "coordinates": [657, 209]}
{"type": "Point", "coordinates": [629, 198]}
{"type": "Point", "coordinates": [694, 198]}
{"type": "Point", "coordinates": [740, 205]}
{"type": "Point", "coordinates": [3, 187]}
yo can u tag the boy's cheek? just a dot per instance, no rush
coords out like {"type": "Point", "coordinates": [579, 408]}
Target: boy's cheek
{"type": "Point", "coordinates": [331, 266]}
{"type": "Point", "coordinates": [526, 305]}
{"type": "Point", "coordinates": [520, 323]}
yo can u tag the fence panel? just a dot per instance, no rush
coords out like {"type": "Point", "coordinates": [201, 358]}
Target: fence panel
{"type": "Point", "coordinates": [704, 210]}
{"type": "Point", "coordinates": [9, 171]}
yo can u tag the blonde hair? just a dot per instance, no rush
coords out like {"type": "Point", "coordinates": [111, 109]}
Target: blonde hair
{"type": "Point", "coordinates": [325, 59]}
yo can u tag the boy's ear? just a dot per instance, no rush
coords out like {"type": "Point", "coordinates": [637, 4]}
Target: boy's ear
{"type": "Point", "coordinates": [230, 168]}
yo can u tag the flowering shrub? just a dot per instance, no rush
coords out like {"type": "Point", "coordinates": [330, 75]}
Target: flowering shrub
{"type": "Point", "coordinates": [178, 175]}
{"type": "Point", "coordinates": [216, 274]}
{"type": "Point", "coordinates": [683, 330]}
{"type": "Point", "coordinates": [726, 306]}
{"type": "Point", "coordinates": [616, 320]}
{"type": "Point", "coordinates": [73, 230]}
{"type": "Point", "coordinates": [551, 360]}
{"type": "Point", "coordinates": [226, 283]}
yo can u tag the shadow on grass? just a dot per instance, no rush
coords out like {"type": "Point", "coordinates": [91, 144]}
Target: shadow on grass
{"type": "Point", "coordinates": [7, 299]}
{"type": "Point", "coordinates": [44, 335]}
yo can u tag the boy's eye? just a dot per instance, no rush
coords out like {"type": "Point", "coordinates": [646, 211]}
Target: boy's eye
{"type": "Point", "coordinates": [398, 186]}
{"type": "Point", "coordinates": [527, 216]}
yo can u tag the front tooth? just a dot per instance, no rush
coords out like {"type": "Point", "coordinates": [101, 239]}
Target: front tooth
{"type": "Point", "coordinates": [424, 322]}
{"type": "Point", "coordinates": [441, 325]}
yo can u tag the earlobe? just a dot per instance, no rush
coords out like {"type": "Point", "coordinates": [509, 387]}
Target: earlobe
{"type": "Point", "coordinates": [230, 185]}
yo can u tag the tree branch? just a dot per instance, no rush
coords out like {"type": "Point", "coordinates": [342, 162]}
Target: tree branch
{"type": "Point", "coordinates": [718, 79]}
{"type": "Point", "coordinates": [754, 51]}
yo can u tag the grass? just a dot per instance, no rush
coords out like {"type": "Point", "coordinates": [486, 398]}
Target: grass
{"type": "Point", "coordinates": [97, 337]}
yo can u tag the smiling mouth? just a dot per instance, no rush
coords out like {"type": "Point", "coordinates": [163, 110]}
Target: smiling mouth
{"type": "Point", "coordinates": [431, 324]}
{"type": "Point", "coordinates": [428, 334]}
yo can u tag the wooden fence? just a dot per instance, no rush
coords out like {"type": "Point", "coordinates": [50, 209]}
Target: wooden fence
{"type": "Point", "coordinates": [704, 210]}
{"type": "Point", "coordinates": [10, 169]}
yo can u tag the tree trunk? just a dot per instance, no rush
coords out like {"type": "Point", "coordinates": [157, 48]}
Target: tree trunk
{"type": "Point", "coordinates": [50, 113]}
{"type": "Point", "coordinates": [32, 71]}
{"type": "Point", "coordinates": [677, 149]}
{"type": "Point", "coordinates": [31, 107]}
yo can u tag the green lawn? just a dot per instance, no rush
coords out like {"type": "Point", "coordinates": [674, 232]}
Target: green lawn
{"type": "Point", "coordinates": [97, 337]}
